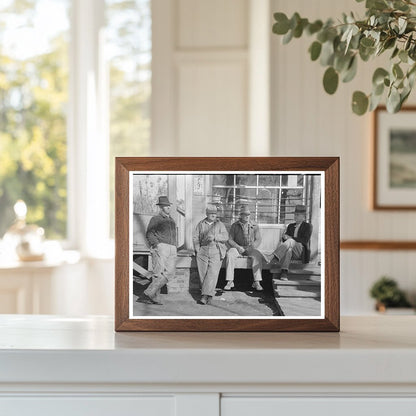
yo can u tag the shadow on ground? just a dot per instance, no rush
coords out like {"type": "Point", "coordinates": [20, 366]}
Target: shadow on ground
{"type": "Point", "coordinates": [241, 301]}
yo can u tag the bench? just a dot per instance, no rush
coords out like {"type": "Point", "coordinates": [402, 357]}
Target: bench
{"type": "Point", "coordinates": [188, 260]}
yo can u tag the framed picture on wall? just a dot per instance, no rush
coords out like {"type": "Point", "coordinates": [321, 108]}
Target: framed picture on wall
{"type": "Point", "coordinates": [227, 244]}
{"type": "Point", "coordinates": [394, 178]}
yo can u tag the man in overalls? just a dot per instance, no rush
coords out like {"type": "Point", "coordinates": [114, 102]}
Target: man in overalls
{"type": "Point", "coordinates": [209, 242]}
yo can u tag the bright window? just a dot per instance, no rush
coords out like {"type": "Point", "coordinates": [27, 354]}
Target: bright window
{"type": "Point", "coordinates": [75, 87]}
{"type": "Point", "coordinates": [33, 112]}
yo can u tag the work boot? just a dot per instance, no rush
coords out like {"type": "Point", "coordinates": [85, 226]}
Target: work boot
{"type": "Point", "coordinates": [154, 300]}
{"type": "Point", "coordinates": [257, 286]}
{"type": "Point", "coordinates": [283, 276]}
{"type": "Point", "coordinates": [153, 290]}
{"type": "Point", "coordinates": [229, 285]}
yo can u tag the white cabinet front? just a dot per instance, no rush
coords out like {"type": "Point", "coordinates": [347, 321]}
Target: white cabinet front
{"type": "Point", "coordinates": [274, 406]}
{"type": "Point", "coordinates": [67, 405]}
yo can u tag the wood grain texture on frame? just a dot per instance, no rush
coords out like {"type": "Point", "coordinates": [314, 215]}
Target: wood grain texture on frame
{"type": "Point", "coordinates": [329, 165]}
{"type": "Point", "coordinates": [376, 206]}
{"type": "Point", "coordinates": [378, 245]}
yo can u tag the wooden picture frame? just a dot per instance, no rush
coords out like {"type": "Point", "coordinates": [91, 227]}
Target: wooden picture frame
{"type": "Point", "coordinates": [394, 146]}
{"type": "Point", "coordinates": [322, 170]}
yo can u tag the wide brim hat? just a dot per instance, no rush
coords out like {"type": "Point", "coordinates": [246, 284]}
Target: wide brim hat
{"type": "Point", "coordinates": [244, 209]}
{"type": "Point", "coordinates": [300, 209]}
{"type": "Point", "coordinates": [164, 201]}
{"type": "Point", "coordinates": [211, 210]}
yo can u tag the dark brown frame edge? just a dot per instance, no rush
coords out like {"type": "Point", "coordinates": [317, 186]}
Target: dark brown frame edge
{"type": "Point", "coordinates": [378, 245]}
{"type": "Point", "coordinates": [376, 205]}
{"type": "Point", "coordinates": [330, 165]}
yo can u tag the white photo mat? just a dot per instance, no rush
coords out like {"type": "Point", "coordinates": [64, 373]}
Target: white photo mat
{"type": "Point", "coordinates": [199, 173]}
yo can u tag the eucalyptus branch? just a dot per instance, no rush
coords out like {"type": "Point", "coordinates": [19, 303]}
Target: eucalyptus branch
{"type": "Point", "coordinates": [389, 25]}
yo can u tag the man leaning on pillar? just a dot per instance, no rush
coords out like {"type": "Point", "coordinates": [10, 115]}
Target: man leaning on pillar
{"type": "Point", "coordinates": [161, 237]}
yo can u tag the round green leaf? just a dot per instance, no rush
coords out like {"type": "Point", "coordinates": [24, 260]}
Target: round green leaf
{"type": "Point", "coordinates": [351, 71]}
{"type": "Point", "coordinates": [359, 103]}
{"type": "Point", "coordinates": [327, 54]}
{"type": "Point", "coordinates": [315, 50]}
{"type": "Point", "coordinates": [374, 101]}
{"type": "Point", "coordinates": [342, 61]}
{"type": "Point", "coordinates": [376, 4]}
{"type": "Point", "coordinates": [403, 56]}
{"type": "Point", "coordinates": [288, 37]}
{"type": "Point", "coordinates": [298, 30]}
{"type": "Point", "coordinates": [330, 80]}
{"type": "Point", "coordinates": [389, 43]}
{"type": "Point", "coordinates": [395, 52]}
{"type": "Point", "coordinates": [281, 27]}
{"type": "Point", "coordinates": [397, 71]}
{"type": "Point", "coordinates": [400, 5]}
{"type": "Point", "coordinates": [393, 101]}
{"type": "Point", "coordinates": [378, 90]}
{"type": "Point", "coordinates": [314, 27]}
{"type": "Point", "coordinates": [365, 53]}
{"type": "Point", "coordinates": [322, 36]}
{"type": "Point", "coordinates": [294, 20]}
{"type": "Point", "coordinates": [379, 75]}
{"type": "Point", "coordinates": [367, 42]}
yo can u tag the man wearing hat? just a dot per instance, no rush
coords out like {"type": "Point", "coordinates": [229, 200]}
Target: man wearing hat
{"type": "Point", "coordinates": [161, 237]}
{"type": "Point", "coordinates": [244, 239]}
{"type": "Point", "coordinates": [295, 243]}
{"type": "Point", "coordinates": [209, 239]}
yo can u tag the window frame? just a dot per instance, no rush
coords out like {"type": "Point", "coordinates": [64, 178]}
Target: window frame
{"type": "Point", "coordinates": [87, 132]}
{"type": "Point", "coordinates": [257, 187]}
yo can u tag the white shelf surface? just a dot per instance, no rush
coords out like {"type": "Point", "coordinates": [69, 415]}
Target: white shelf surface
{"type": "Point", "coordinates": [53, 349]}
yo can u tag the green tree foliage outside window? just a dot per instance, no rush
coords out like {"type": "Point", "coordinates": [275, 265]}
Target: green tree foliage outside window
{"type": "Point", "coordinates": [33, 100]}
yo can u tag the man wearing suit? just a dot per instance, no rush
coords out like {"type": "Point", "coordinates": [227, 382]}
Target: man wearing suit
{"type": "Point", "coordinates": [161, 237]}
{"type": "Point", "coordinates": [295, 243]}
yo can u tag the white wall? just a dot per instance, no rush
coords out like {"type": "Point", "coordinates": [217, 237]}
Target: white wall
{"type": "Point", "coordinates": [203, 84]}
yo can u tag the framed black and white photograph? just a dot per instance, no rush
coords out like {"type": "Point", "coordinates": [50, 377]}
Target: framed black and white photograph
{"type": "Point", "coordinates": [239, 244]}
{"type": "Point", "coordinates": [394, 178]}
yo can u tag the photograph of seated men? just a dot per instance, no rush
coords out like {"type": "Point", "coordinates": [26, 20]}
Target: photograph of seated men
{"type": "Point", "coordinates": [244, 240]}
{"type": "Point", "coordinates": [161, 237]}
{"type": "Point", "coordinates": [209, 240]}
{"type": "Point", "coordinates": [295, 243]}
{"type": "Point", "coordinates": [218, 244]}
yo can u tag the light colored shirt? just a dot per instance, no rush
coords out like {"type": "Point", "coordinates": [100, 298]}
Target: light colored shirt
{"type": "Point", "coordinates": [295, 234]}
